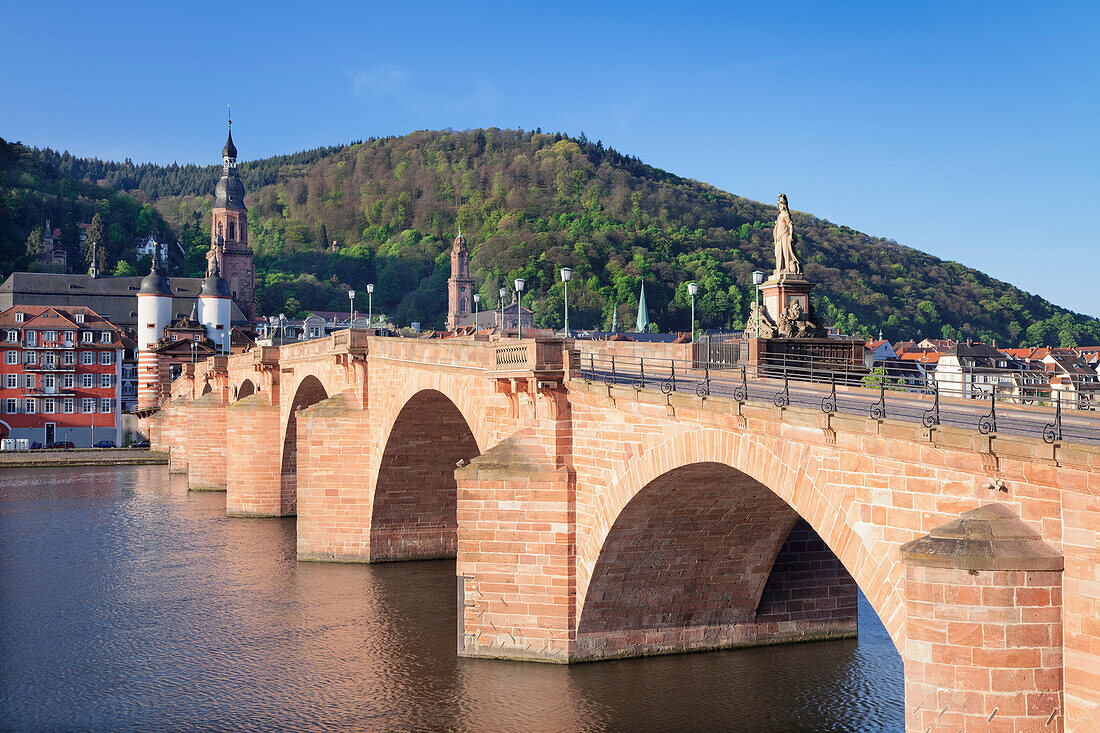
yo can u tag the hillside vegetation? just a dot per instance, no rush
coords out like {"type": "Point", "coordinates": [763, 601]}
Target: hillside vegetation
{"type": "Point", "coordinates": [528, 204]}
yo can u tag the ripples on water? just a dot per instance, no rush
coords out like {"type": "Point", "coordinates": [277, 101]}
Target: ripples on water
{"type": "Point", "coordinates": [129, 604]}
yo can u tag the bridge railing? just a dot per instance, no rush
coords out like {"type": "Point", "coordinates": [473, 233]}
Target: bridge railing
{"type": "Point", "coordinates": [990, 400]}
{"type": "Point", "coordinates": [537, 355]}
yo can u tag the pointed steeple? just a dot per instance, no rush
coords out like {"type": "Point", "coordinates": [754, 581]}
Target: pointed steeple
{"type": "Point", "coordinates": [643, 312]}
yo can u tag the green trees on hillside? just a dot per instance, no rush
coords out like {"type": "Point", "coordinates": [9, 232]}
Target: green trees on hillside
{"type": "Point", "coordinates": [33, 189]}
{"type": "Point", "coordinates": [530, 203]}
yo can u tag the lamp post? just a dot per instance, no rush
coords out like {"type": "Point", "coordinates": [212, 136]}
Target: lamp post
{"type": "Point", "coordinates": [519, 304]}
{"type": "Point", "coordinates": [566, 274]}
{"type": "Point", "coordinates": [477, 299]}
{"type": "Point", "coordinates": [351, 308]}
{"type": "Point", "coordinates": [502, 311]}
{"type": "Point", "coordinates": [370, 304]}
{"type": "Point", "coordinates": [693, 289]}
{"type": "Point", "coordinates": [757, 278]}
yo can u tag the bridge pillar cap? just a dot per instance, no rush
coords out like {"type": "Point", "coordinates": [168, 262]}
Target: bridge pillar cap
{"type": "Point", "coordinates": [991, 537]}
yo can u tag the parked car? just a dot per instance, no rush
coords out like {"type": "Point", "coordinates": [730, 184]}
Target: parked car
{"type": "Point", "coordinates": [35, 445]}
{"type": "Point", "coordinates": [105, 444]}
{"type": "Point", "coordinates": [67, 444]}
{"type": "Point", "coordinates": [140, 443]}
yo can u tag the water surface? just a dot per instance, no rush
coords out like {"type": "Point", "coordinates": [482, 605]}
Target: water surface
{"type": "Point", "coordinates": [129, 604]}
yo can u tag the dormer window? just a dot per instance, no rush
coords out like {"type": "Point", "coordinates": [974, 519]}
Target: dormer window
{"type": "Point", "coordinates": [105, 337]}
{"type": "Point", "coordinates": [87, 337]}
{"type": "Point", "coordinates": [20, 317]}
{"type": "Point", "coordinates": [80, 318]}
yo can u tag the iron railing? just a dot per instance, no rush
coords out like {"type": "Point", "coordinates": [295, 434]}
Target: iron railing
{"type": "Point", "coordinates": [992, 402]}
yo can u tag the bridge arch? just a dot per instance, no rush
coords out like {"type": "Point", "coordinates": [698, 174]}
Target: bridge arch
{"type": "Point", "coordinates": [414, 507]}
{"type": "Point", "coordinates": [246, 389]}
{"type": "Point", "coordinates": [799, 487]}
{"type": "Point", "coordinates": [309, 392]}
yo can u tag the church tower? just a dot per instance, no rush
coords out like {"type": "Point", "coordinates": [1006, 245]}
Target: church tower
{"type": "Point", "coordinates": [460, 288]}
{"type": "Point", "coordinates": [229, 254]}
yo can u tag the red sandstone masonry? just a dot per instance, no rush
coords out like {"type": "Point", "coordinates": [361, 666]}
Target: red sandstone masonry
{"type": "Point", "coordinates": [334, 496]}
{"type": "Point", "coordinates": [865, 487]}
{"type": "Point", "coordinates": [206, 444]}
{"type": "Point", "coordinates": [252, 474]}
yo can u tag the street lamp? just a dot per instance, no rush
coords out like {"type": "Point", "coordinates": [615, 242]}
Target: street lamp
{"type": "Point", "coordinates": [502, 311]}
{"type": "Point", "coordinates": [370, 304]}
{"type": "Point", "coordinates": [351, 308]}
{"type": "Point", "coordinates": [757, 278]}
{"type": "Point", "coordinates": [519, 304]}
{"type": "Point", "coordinates": [693, 289]}
{"type": "Point", "coordinates": [566, 274]}
{"type": "Point", "coordinates": [477, 299]}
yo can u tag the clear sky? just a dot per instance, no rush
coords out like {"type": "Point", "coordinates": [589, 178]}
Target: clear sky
{"type": "Point", "coordinates": [969, 130]}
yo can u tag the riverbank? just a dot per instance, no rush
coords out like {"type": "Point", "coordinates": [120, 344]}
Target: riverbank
{"type": "Point", "coordinates": [82, 457]}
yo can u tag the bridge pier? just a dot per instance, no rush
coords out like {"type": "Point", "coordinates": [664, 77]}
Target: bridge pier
{"type": "Point", "coordinates": [983, 649]}
{"type": "Point", "coordinates": [206, 443]}
{"type": "Point", "coordinates": [254, 457]}
{"type": "Point", "coordinates": [334, 468]}
{"type": "Point", "coordinates": [516, 546]}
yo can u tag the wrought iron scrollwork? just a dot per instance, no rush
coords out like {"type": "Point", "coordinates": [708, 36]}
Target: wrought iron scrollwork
{"type": "Point", "coordinates": [828, 402]}
{"type": "Point", "coordinates": [669, 385]}
{"type": "Point", "coordinates": [783, 399]}
{"type": "Point", "coordinates": [878, 409]}
{"type": "Point", "coordinates": [741, 391]}
{"type": "Point", "coordinates": [988, 423]}
{"type": "Point", "coordinates": [1053, 431]}
{"type": "Point", "coordinates": [932, 415]}
{"type": "Point", "coordinates": [703, 388]}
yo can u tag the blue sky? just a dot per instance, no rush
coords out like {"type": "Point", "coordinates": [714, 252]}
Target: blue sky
{"type": "Point", "coordinates": [968, 130]}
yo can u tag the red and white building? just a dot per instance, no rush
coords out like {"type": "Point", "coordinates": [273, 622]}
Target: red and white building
{"type": "Point", "coordinates": [60, 375]}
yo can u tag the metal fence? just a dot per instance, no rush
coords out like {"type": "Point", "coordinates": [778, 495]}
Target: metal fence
{"type": "Point", "coordinates": [999, 401]}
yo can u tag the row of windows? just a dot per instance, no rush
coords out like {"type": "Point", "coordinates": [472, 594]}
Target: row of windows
{"type": "Point", "coordinates": [49, 358]}
{"type": "Point", "coordinates": [52, 381]}
{"type": "Point", "coordinates": [86, 337]}
{"type": "Point", "coordinates": [49, 405]}
{"type": "Point", "coordinates": [20, 317]}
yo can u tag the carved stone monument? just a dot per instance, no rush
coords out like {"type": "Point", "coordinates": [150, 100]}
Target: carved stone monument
{"type": "Point", "coordinates": [787, 292]}
{"type": "Point", "coordinates": [783, 330]}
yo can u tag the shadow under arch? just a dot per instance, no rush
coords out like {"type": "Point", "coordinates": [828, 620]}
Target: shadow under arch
{"type": "Point", "coordinates": [413, 514]}
{"type": "Point", "coordinates": [792, 473]}
{"type": "Point", "coordinates": [703, 556]}
{"type": "Point", "coordinates": [246, 389]}
{"type": "Point", "coordinates": [310, 391]}
{"type": "Point", "coordinates": [207, 389]}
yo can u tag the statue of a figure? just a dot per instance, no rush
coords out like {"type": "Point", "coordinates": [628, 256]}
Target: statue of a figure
{"type": "Point", "coordinates": [786, 261]}
{"type": "Point", "coordinates": [767, 327]}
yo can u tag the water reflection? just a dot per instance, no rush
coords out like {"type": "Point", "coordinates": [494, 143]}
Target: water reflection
{"type": "Point", "coordinates": [127, 603]}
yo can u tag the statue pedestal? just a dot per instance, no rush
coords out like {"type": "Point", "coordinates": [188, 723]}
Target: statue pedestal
{"type": "Point", "coordinates": [780, 291]}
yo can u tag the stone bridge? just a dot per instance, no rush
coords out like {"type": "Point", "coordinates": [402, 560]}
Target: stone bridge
{"type": "Point", "coordinates": [593, 521]}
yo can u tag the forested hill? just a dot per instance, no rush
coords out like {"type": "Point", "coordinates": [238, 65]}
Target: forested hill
{"type": "Point", "coordinates": [529, 203]}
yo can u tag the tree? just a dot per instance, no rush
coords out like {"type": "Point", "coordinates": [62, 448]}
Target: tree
{"type": "Point", "coordinates": [123, 268]}
{"type": "Point", "coordinates": [93, 239]}
{"type": "Point", "coordinates": [34, 244]}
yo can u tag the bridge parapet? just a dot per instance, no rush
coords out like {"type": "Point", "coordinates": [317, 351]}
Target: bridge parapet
{"type": "Point", "coordinates": [544, 358]}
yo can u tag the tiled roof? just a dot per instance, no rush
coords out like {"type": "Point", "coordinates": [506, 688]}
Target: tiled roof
{"type": "Point", "coordinates": [113, 297]}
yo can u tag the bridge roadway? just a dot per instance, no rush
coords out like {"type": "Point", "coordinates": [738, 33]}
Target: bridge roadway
{"type": "Point", "coordinates": [1079, 426]}
{"type": "Point", "coordinates": [592, 520]}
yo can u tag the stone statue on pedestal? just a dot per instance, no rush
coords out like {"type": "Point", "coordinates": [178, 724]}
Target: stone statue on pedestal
{"type": "Point", "coordinates": [786, 260]}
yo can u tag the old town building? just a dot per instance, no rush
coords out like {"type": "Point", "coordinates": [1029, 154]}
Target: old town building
{"type": "Point", "coordinates": [61, 375]}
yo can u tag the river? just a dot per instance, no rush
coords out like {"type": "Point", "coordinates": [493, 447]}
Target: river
{"type": "Point", "coordinates": [129, 604]}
